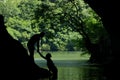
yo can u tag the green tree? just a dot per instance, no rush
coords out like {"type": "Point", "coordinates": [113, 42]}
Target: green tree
{"type": "Point", "coordinates": [65, 23]}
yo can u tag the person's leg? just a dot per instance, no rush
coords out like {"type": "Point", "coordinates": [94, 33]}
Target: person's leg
{"type": "Point", "coordinates": [31, 53]}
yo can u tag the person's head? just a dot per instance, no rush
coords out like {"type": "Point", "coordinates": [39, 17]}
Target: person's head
{"type": "Point", "coordinates": [48, 55]}
{"type": "Point", "coordinates": [42, 34]}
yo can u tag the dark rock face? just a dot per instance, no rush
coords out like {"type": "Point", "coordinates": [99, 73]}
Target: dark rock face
{"type": "Point", "coordinates": [14, 59]}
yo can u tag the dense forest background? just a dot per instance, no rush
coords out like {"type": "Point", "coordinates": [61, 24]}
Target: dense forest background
{"type": "Point", "coordinates": [65, 22]}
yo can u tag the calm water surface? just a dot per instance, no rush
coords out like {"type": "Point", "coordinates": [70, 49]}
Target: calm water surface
{"type": "Point", "coordinates": [74, 70]}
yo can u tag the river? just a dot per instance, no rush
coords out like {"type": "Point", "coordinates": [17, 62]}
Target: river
{"type": "Point", "coordinates": [75, 70]}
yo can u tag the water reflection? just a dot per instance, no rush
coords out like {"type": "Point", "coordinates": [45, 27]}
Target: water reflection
{"type": "Point", "coordinates": [72, 71]}
{"type": "Point", "coordinates": [79, 73]}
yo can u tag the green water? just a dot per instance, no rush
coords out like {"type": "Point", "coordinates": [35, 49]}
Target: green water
{"type": "Point", "coordinates": [79, 73]}
{"type": "Point", "coordinates": [75, 70]}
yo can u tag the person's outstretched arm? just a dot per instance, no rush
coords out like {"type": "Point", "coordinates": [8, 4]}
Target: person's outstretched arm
{"type": "Point", "coordinates": [41, 55]}
{"type": "Point", "coordinates": [38, 45]}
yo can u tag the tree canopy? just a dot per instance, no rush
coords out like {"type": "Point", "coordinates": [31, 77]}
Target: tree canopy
{"type": "Point", "coordinates": [65, 22]}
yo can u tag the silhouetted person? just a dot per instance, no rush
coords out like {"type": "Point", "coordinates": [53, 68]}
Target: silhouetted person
{"type": "Point", "coordinates": [52, 68]}
{"type": "Point", "coordinates": [35, 39]}
{"type": "Point", "coordinates": [38, 71]}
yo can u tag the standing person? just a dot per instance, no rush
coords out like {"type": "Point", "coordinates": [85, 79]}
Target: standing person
{"type": "Point", "coordinates": [35, 39]}
{"type": "Point", "coordinates": [52, 68]}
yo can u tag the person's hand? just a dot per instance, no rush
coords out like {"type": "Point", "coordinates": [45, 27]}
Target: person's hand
{"type": "Point", "coordinates": [37, 50]}
{"type": "Point", "coordinates": [40, 51]}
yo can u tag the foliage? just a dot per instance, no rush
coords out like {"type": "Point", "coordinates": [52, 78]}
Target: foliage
{"type": "Point", "coordinates": [60, 19]}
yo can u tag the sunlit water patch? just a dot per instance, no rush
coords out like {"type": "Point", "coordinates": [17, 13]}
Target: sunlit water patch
{"type": "Point", "coordinates": [74, 70]}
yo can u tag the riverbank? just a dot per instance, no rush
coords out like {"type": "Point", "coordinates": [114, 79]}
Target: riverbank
{"type": "Point", "coordinates": [65, 55]}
